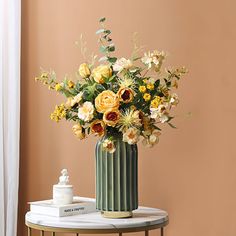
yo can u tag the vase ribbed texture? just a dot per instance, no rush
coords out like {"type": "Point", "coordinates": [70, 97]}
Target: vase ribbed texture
{"type": "Point", "coordinates": [116, 177]}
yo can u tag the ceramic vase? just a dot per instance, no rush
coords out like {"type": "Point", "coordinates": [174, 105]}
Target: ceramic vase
{"type": "Point", "coordinates": [117, 179]}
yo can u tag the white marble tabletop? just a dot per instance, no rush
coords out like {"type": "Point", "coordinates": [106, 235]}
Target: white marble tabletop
{"type": "Point", "coordinates": [142, 217]}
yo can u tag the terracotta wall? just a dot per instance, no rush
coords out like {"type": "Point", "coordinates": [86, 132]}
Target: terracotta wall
{"type": "Point", "coordinates": [192, 172]}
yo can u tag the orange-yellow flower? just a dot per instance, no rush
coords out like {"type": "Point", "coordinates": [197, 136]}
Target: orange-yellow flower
{"type": "Point", "coordinates": [106, 100]}
{"type": "Point", "coordinates": [98, 127]}
{"type": "Point", "coordinates": [111, 117]}
{"type": "Point", "coordinates": [125, 95]}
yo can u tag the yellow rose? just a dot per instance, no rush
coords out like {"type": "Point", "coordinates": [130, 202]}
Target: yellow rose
{"type": "Point", "coordinates": [84, 70]}
{"type": "Point", "coordinates": [126, 95]}
{"type": "Point", "coordinates": [106, 100]}
{"type": "Point", "coordinates": [111, 117]}
{"type": "Point", "coordinates": [101, 72]}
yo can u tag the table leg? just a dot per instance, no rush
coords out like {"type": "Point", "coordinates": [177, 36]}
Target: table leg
{"type": "Point", "coordinates": [29, 231]}
{"type": "Point", "coordinates": [146, 233]}
{"type": "Point", "coordinates": [120, 234]}
{"type": "Point", "coordinates": [53, 234]}
{"type": "Point", "coordinates": [41, 233]}
{"type": "Point", "coordinates": [162, 231]}
{"type": "Point", "coordinates": [77, 234]}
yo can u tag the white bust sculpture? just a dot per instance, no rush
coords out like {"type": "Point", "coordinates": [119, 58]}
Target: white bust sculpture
{"type": "Point", "coordinates": [63, 191]}
{"type": "Point", "coordinates": [64, 178]}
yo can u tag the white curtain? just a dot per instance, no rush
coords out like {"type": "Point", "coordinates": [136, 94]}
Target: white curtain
{"type": "Point", "coordinates": [10, 19]}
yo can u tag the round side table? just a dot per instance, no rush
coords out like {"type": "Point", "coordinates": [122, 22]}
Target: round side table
{"type": "Point", "coordinates": [144, 219]}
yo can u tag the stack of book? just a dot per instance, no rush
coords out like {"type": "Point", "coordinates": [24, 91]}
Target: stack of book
{"type": "Point", "coordinates": [80, 205]}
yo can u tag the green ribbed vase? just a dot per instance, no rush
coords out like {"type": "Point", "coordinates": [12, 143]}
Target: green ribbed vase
{"type": "Point", "coordinates": [117, 179]}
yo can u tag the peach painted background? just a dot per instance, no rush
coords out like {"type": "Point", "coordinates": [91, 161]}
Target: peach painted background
{"type": "Point", "coordinates": [192, 172]}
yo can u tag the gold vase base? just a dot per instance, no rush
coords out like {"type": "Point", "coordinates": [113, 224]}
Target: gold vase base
{"type": "Point", "coordinates": [117, 214]}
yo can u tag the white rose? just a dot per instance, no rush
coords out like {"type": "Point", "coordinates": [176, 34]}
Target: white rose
{"type": "Point", "coordinates": [121, 64]}
{"type": "Point", "coordinates": [85, 111]}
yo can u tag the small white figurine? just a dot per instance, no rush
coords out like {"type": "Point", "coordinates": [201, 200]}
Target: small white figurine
{"type": "Point", "coordinates": [63, 191]}
{"type": "Point", "coordinates": [64, 178]}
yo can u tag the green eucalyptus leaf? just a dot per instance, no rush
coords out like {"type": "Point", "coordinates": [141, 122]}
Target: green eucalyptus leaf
{"type": "Point", "coordinates": [103, 49]}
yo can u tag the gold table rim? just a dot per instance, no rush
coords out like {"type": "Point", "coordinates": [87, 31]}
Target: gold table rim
{"type": "Point", "coordinates": [96, 231]}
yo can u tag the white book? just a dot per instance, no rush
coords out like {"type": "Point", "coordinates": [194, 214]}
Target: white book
{"type": "Point", "coordinates": [80, 205]}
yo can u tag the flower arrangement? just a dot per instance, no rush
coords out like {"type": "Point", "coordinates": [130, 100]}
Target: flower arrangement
{"type": "Point", "coordinates": [131, 97]}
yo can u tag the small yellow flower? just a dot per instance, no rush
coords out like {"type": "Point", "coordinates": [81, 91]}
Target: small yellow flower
{"type": "Point", "coordinates": [59, 113]}
{"type": "Point", "coordinates": [58, 87]}
{"type": "Point", "coordinates": [71, 84]}
{"type": "Point", "coordinates": [150, 86]}
{"type": "Point", "coordinates": [142, 89]}
{"type": "Point", "coordinates": [156, 102]}
{"type": "Point", "coordinates": [146, 97]}
{"type": "Point", "coordinates": [145, 81]}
